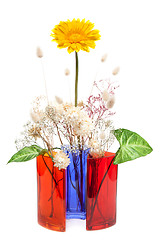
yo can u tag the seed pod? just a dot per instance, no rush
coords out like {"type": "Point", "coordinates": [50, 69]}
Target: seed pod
{"type": "Point", "coordinates": [111, 102]}
{"type": "Point", "coordinates": [104, 57]}
{"type": "Point", "coordinates": [105, 95]}
{"type": "Point", "coordinates": [116, 71]}
{"type": "Point", "coordinates": [39, 52]}
{"type": "Point", "coordinates": [58, 100]}
{"type": "Point", "coordinates": [66, 72]}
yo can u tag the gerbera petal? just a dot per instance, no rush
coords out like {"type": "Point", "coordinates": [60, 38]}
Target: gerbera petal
{"type": "Point", "coordinates": [70, 49]}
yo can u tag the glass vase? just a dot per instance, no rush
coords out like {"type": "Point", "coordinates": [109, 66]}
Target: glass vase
{"type": "Point", "coordinates": [101, 192]}
{"type": "Point", "coordinates": [51, 194]}
{"type": "Point", "coordinates": [76, 184]}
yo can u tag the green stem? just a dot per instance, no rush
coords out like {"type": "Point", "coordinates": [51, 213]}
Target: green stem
{"type": "Point", "coordinates": [76, 80]}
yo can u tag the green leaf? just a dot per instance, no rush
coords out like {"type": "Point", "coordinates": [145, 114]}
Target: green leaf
{"type": "Point", "coordinates": [43, 151]}
{"type": "Point", "coordinates": [26, 154]}
{"type": "Point", "coordinates": [132, 146]}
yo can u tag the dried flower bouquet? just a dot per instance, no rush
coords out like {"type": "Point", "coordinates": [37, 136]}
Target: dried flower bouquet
{"type": "Point", "coordinates": [62, 131]}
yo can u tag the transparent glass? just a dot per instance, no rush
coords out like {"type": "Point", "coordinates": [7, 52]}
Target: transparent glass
{"type": "Point", "coordinates": [101, 192]}
{"type": "Point", "coordinates": [51, 195]}
{"type": "Point", "coordinates": [76, 185]}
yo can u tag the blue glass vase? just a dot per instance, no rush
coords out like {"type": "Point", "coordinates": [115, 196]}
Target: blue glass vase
{"type": "Point", "coordinates": [76, 184]}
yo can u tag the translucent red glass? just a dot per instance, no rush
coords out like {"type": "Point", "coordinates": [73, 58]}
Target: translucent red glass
{"type": "Point", "coordinates": [101, 192]}
{"type": "Point", "coordinates": [51, 195]}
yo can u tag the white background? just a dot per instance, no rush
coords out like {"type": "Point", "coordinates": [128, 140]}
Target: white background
{"type": "Point", "coordinates": [130, 37]}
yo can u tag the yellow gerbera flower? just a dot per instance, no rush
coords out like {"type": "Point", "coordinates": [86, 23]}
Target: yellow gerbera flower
{"type": "Point", "coordinates": [75, 35]}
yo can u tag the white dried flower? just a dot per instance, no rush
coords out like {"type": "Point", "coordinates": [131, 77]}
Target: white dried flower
{"type": "Point", "coordinates": [108, 123]}
{"type": "Point", "coordinates": [34, 132]}
{"type": "Point", "coordinates": [59, 110]}
{"type": "Point", "coordinates": [66, 72]}
{"type": "Point", "coordinates": [93, 143]}
{"type": "Point", "coordinates": [58, 100]}
{"type": "Point", "coordinates": [84, 128]}
{"type": "Point", "coordinates": [61, 160]}
{"type": "Point", "coordinates": [34, 116]}
{"type": "Point", "coordinates": [111, 102]}
{"type": "Point", "coordinates": [80, 121]}
{"type": "Point", "coordinates": [80, 104]}
{"type": "Point", "coordinates": [104, 57]}
{"type": "Point", "coordinates": [102, 135]}
{"type": "Point", "coordinates": [95, 149]}
{"type": "Point", "coordinates": [105, 95]}
{"type": "Point", "coordinates": [116, 71]}
{"type": "Point", "coordinates": [50, 112]}
{"type": "Point", "coordinates": [39, 52]}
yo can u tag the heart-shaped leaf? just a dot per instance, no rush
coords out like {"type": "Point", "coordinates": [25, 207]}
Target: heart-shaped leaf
{"type": "Point", "coordinates": [26, 154]}
{"type": "Point", "coordinates": [132, 146]}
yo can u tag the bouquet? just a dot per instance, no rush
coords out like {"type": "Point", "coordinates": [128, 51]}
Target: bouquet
{"type": "Point", "coordinates": [68, 133]}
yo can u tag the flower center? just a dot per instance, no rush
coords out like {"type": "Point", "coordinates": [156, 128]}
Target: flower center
{"type": "Point", "coordinates": [75, 37]}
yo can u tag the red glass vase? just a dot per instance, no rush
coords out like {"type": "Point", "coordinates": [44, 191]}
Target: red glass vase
{"type": "Point", "coordinates": [51, 194]}
{"type": "Point", "coordinates": [101, 192]}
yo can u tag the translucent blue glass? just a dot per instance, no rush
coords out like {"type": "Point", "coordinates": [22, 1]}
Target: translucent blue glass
{"type": "Point", "coordinates": [76, 184]}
